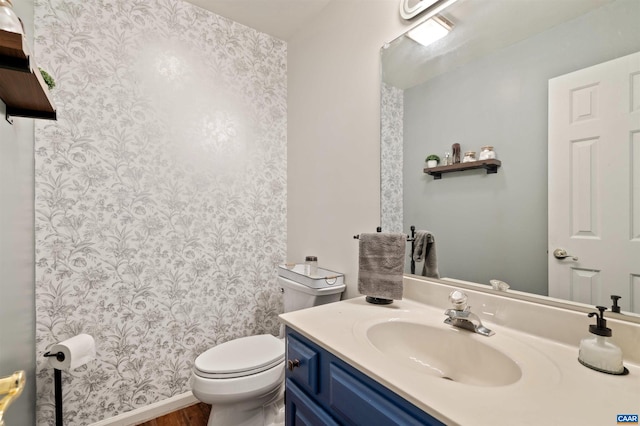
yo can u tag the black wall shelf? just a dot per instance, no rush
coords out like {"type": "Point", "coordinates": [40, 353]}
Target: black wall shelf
{"type": "Point", "coordinates": [22, 87]}
{"type": "Point", "coordinates": [490, 165]}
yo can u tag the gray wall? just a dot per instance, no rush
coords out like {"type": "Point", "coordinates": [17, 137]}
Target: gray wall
{"type": "Point", "coordinates": [495, 226]}
{"type": "Point", "coordinates": [17, 312]}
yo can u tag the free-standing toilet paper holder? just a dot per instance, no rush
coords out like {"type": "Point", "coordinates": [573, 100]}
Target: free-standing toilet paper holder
{"type": "Point", "coordinates": [69, 354]}
{"type": "Point", "coordinates": [57, 380]}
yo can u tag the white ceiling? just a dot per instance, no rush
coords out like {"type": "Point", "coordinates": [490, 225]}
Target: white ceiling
{"type": "Point", "coordinates": [480, 26]}
{"type": "Point", "coordinates": [279, 18]}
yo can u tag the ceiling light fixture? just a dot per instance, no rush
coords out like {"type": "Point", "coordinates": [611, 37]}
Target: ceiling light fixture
{"type": "Point", "coordinates": [410, 9]}
{"type": "Point", "coordinates": [430, 30]}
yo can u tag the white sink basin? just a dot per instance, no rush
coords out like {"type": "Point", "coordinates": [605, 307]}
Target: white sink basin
{"type": "Point", "coordinates": [452, 354]}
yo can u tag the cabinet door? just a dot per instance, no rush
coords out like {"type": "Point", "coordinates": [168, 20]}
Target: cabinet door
{"type": "Point", "coordinates": [302, 410]}
{"type": "Point", "coordinates": [359, 404]}
{"type": "Point", "coordinates": [308, 364]}
{"type": "Point", "coordinates": [324, 390]}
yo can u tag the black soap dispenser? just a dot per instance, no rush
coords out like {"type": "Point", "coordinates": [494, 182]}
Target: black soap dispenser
{"type": "Point", "coordinates": [597, 352]}
{"type": "Point", "coordinates": [615, 307]}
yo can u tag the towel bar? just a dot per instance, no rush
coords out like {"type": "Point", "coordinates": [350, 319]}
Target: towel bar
{"type": "Point", "coordinates": [410, 238]}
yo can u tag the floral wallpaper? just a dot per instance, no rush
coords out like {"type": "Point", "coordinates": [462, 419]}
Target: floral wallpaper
{"type": "Point", "coordinates": [160, 195]}
{"type": "Point", "coordinates": [391, 116]}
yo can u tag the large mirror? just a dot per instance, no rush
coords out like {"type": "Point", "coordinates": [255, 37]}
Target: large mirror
{"type": "Point", "coordinates": [487, 83]}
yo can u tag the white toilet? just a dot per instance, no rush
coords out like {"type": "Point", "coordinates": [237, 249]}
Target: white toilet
{"type": "Point", "coordinates": [243, 379]}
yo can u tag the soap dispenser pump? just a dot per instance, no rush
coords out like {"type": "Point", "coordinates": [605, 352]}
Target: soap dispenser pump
{"type": "Point", "coordinates": [597, 352]}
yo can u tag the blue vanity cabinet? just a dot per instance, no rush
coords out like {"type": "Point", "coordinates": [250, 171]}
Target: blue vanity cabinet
{"type": "Point", "coordinates": [321, 389]}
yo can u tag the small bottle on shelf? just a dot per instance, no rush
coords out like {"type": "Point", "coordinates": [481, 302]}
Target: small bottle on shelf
{"type": "Point", "coordinates": [447, 159]}
{"type": "Point", "coordinates": [487, 153]}
{"type": "Point", "coordinates": [469, 156]}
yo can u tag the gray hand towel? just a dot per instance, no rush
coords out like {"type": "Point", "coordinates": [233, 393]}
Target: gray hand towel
{"type": "Point", "coordinates": [425, 249]}
{"type": "Point", "coordinates": [381, 265]}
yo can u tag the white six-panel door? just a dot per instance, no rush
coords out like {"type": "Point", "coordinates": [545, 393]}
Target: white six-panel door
{"type": "Point", "coordinates": [594, 183]}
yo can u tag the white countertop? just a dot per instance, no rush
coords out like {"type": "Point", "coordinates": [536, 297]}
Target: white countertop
{"type": "Point", "coordinates": [554, 389]}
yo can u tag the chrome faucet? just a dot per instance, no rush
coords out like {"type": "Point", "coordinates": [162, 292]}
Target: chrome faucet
{"type": "Point", "coordinates": [461, 315]}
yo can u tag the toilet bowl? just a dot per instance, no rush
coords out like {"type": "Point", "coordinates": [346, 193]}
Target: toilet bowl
{"type": "Point", "coordinates": [243, 379]}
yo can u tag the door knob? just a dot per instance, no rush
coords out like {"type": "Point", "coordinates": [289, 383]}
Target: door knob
{"type": "Point", "coordinates": [562, 254]}
{"type": "Point", "coordinates": [11, 387]}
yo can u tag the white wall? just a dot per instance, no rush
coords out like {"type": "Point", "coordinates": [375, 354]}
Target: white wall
{"type": "Point", "coordinates": [17, 311]}
{"type": "Point", "coordinates": [333, 170]}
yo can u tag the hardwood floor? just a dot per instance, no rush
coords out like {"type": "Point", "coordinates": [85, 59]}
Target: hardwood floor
{"type": "Point", "coordinates": [194, 415]}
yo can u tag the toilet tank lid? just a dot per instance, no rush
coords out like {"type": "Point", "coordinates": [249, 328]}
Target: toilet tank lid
{"type": "Point", "coordinates": [324, 278]}
{"type": "Point", "coordinates": [241, 355]}
{"type": "Point", "coordinates": [323, 291]}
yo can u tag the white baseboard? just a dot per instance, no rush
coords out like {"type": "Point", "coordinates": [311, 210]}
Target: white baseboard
{"type": "Point", "coordinates": [151, 411]}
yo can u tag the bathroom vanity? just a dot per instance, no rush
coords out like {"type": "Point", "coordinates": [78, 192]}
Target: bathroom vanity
{"type": "Point", "coordinates": [356, 363]}
{"type": "Point", "coordinates": [323, 389]}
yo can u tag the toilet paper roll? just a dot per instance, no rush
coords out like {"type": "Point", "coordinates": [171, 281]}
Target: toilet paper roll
{"type": "Point", "coordinates": [78, 350]}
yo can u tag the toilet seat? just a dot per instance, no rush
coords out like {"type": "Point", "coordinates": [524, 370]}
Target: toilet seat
{"type": "Point", "coordinates": [240, 357]}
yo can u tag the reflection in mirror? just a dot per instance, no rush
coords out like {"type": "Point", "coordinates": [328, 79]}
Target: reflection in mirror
{"type": "Point", "coordinates": [487, 83]}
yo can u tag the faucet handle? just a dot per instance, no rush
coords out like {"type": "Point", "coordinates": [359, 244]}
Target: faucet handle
{"type": "Point", "coordinates": [458, 299]}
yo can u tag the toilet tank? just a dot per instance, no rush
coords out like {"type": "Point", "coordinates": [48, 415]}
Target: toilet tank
{"type": "Point", "coordinates": [304, 291]}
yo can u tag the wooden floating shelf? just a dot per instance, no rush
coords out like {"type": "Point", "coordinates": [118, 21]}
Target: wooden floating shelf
{"type": "Point", "coordinates": [22, 87]}
{"type": "Point", "coordinates": [490, 165]}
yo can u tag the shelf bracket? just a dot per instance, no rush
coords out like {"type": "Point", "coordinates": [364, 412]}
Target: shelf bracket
{"type": "Point", "coordinates": [29, 113]}
{"type": "Point", "coordinates": [491, 168]}
{"type": "Point", "coordinates": [8, 117]}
